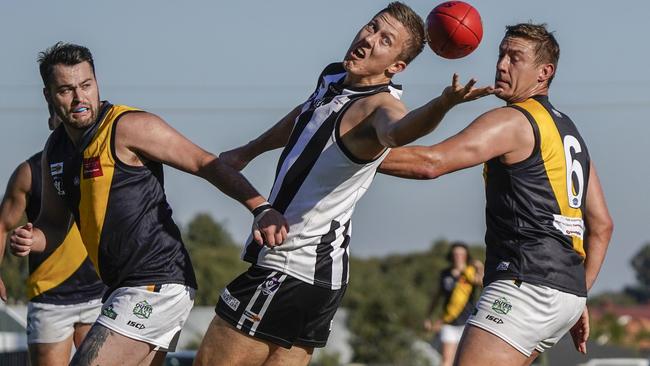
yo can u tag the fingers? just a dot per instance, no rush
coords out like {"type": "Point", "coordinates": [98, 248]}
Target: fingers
{"type": "Point", "coordinates": [257, 235]}
{"type": "Point", "coordinates": [454, 81]}
{"type": "Point", "coordinates": [19, 251]}
{"type": "Point", "coordinates": [271, 230]}
{"type": "Point", "coordinates": [470, 84]}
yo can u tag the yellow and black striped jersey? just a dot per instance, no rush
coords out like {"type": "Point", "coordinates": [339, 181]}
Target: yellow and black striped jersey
{"type": "Point", "coordinates": [458, 294]}
{"type": "Point", "coordinates": [62, 275]}
{"type": "Point", "coordinates": [121, 210]}
{"type": "Point", "coordinates": [535, 208]}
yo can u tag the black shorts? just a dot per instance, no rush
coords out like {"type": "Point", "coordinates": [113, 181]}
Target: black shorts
{"type": "Point", "coordinates": [278, 308]}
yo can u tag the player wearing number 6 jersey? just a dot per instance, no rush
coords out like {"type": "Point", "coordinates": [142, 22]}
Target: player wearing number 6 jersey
{"type": "Point", "coordinates": [548, 226]}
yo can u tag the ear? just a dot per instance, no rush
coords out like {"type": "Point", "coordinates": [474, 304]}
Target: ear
{"type": "Point", "coordinates": [396, 67]}
{"type": "Point", "coordinates": [546, 72]}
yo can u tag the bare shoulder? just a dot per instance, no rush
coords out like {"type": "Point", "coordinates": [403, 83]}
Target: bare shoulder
{"type": "Point", "coordinates": [21, 180]}
{"type": "Point", "coordinates": [139, 120]}
{"type": "Point", "coordinates": [380, 101]}
{"type": "Point", "coordinates": [507, 120]}
{"type": "Point", "coordinates": [501, 115]}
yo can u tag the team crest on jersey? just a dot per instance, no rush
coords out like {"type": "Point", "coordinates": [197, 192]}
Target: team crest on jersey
{"type": "Point", "coordinates": [143, 310]}
{"type": "Point", "coordinates": [502, 306]}
{"type": "Point", "coordinates": [56, 171]}
{"type": "Point", "coordinates": [92, 167]}
{"type": "Point", "coordinates": [270, 286]}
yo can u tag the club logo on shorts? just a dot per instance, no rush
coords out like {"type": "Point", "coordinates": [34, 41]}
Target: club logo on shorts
{"type": "Point", "coordinates": [270, 286]}
{"type": "Point", "coordinates": [109, 312]}
{"type": "Point", "coordinates": [142, 310]}
{"type": "Point", "coordinates": [502, 306]}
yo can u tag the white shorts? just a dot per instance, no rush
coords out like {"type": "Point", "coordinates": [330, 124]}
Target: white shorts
{"type": "Point", "coordinates": [152, 314]}
{"type": "Point", "coordinates": [451, 333]}
{"type": "Point", "coordinates": [50, 323]}
{"type": "Point", "coordinates": [528, 317]}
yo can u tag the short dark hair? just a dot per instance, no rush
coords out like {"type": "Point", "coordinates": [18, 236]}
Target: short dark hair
{"type": "Point", "coordinates": [62, 53]}
{"type": "Point", "coordinates": [413, 24]}
{"type": "Point", "coordinates": [547, 50]}
{"type": "Point", "coordinates": [458, 244]}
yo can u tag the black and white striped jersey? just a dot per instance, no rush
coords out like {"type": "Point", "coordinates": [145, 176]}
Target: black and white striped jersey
{"type": "Point", "coordinates": [317, 185]}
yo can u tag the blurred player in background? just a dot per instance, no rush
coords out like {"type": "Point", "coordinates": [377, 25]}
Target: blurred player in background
{"type": "Point", "coordinates": [63, 288]}
{"type": "Point", "coordinates": [456, 289]}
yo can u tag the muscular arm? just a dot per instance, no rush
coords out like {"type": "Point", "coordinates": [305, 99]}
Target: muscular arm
{"type": "Point", "coordinates": [12, 208]}
{"type": "Point", "coordinates": [499, 132]}
{"type": "Point", "coordinates": [274, 138]}
{"type": "Point", "coordinates": [144, 136]}
{"type": "Point", "coordinates": [599, 227]}
{"type": "Point", "coordinates": [395, 128]}
{"type": "Point", "coordinates": [14, 202]}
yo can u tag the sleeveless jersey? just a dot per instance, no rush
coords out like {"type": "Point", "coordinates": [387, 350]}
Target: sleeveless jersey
{"type": "Point", "coordinates": [64, 275]}
{"type": "Point", "coordinates": [535, 207]}
{"type": "Point", "coordinates": [317, 185]}
{"type": "Point", "coordinates": [458, 295]}
{"type": "Point", "coordinates": [121, 210]}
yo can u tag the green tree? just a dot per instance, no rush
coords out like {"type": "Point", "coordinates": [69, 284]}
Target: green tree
{"type": "Point", "coordinates": [14, 273]}
{"type": "Point", "coordinates": [641, 265]}
{"type": "Point", "coordinates": [387, 300]}
{"type": "Point", "coordinates": [215, 257]}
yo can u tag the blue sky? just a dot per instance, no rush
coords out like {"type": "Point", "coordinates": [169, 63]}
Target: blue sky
{"type": "Point", "coordinates": [222, 72]}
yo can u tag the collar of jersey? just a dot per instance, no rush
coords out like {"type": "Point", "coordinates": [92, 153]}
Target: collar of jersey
{"type": "Point", "coordinates": [339, 86]}
{"type": "Point", "coordinates": [92, 130]}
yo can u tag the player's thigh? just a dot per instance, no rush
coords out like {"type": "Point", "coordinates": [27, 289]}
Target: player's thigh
{"type": "Point", "coordinates": [87, 315]}
{"type": "Point", "coordinates": [105, 347]}
{"type": "Point", "coordinates": [224, 345]}
{"type": "Point", "coordinates": [80, 332]}
{"type": "Point", "coordinates": [480, 347]}
{"type": "Point", "coordinates": [294, 356]}
{"type": "Point", "coordinates": [155, 358]}
{"type": "Point", "coordinates": [49, 323]}
{"type": "Point", "coordinates": [448, 353]}
{"type": "Point", "coordinates": [50, 354]}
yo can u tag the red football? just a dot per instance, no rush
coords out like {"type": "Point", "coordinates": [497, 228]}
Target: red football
{"type": "Point", "coordinates": [454, 29]}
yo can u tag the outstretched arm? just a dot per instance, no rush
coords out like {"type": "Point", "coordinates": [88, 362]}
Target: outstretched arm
{"type": "Point", "coordinates": [394, 129]}
{"type": "Point", "coordinates": [274, 138]}
{"type": "Point", "coordinates": [499, 132]}
{"type": "Point", "coordinates": [144, 136]}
